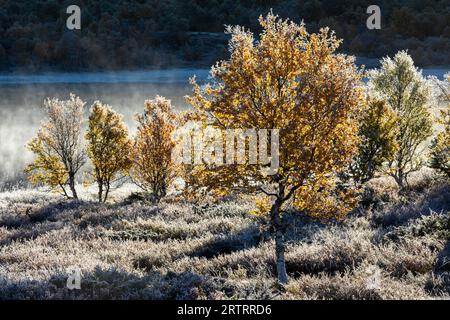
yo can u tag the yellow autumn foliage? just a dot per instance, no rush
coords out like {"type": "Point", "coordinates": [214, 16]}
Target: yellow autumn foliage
{"type": "Point", "coordinates": [294, 81]}
{"type": "Point", "coordinates": [153, 169]}
{"type": "Point", "coordinates": [109, 148]}
{"type": "Point", "coordinates": [57, 146]}
{"type": "Point", "coordinates": [440, 149]}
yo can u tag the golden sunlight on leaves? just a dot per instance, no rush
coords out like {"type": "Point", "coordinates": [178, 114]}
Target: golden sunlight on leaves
{"type": "Point", "coordinates": [57, 146]}
{"type": "Point", "coordinates": [295, 82]}
{"type": "Point", "coordinates": [108, 148]}
{"type": "Point", "coordinates": [153, 169]}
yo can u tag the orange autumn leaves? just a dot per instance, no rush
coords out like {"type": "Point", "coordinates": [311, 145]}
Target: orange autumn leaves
{"type": "Point", "coordinates": [292, 81]}
{"type": "Point", "coordinates": [114, 156]}
{"type": "Point", "coordinates": [153, 167]}
{"type": "Point", "coordinates": [108, 148]}
{"type": "Point", "coordinates": [288, 80]}
{"type": "Point", "coordinates": [295, 82]}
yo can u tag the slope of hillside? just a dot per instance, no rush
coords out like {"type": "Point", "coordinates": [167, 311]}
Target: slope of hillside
{"type": "Point", "coordinates": [127, 34]}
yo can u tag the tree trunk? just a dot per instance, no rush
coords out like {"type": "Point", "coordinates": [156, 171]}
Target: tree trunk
{"type": "Point", "coordinates": [72, 186]}
{"type": "Point", "coordinates": [107, 192]}
{"type": "Point", "coordinates": [400, 179]}
{"type": "Point", "coordinates": [279, 242]}
{"type": "Point", "coordinates": [64, 191]}
{"type": "Point", "coordinates": [281, 263]}
{"type": "Point", "coordinates": [100, 192]}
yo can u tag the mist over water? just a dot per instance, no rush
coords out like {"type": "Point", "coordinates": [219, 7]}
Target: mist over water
{"type": "Point", "coordinates": [22, 97]}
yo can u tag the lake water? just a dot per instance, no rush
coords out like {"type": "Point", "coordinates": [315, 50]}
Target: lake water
{"type": "Point", "coordinates": [21, 98]}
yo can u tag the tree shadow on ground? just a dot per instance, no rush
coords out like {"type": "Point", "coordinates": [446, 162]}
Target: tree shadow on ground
{"type": "Point", "coordinates": [112, 284]}
{"type": "Point", "coordinates": [436, 200]}
{"type": "Point", "coordinates": [443, 261]}
{"type": "Point", "coordinates": [439, 281]}
{"type": "Point", "coordinates": [30, 215]}
{"type": "Point", "coordinates": [34, 223]}
{"type": "Point", "coordinates": [225, 244]}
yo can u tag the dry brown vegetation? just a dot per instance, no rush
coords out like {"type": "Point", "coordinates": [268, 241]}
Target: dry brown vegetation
{"type": "Point", "coordinates": [176, 250]}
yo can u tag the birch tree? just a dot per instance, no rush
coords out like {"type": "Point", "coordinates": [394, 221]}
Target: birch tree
{"type": "Point", "coordinates": [295, 82]}
{"type": "Point", "coordinates": [58, 149]}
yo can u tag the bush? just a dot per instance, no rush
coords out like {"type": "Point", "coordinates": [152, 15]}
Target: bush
{"type": "Point", "coordinates": [378, 144]}
{"type": "Point", "coordinates": [108, 148]}
{"type": "Point", "coordinates": [57, 146]}
{"type": "Point", "coordinates": [402, 86]}
{"type": "Point", "coordinates": [153, 169]}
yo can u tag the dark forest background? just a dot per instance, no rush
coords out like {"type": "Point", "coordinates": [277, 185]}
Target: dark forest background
{"type": "Point", "coordinates": [156, 33]}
